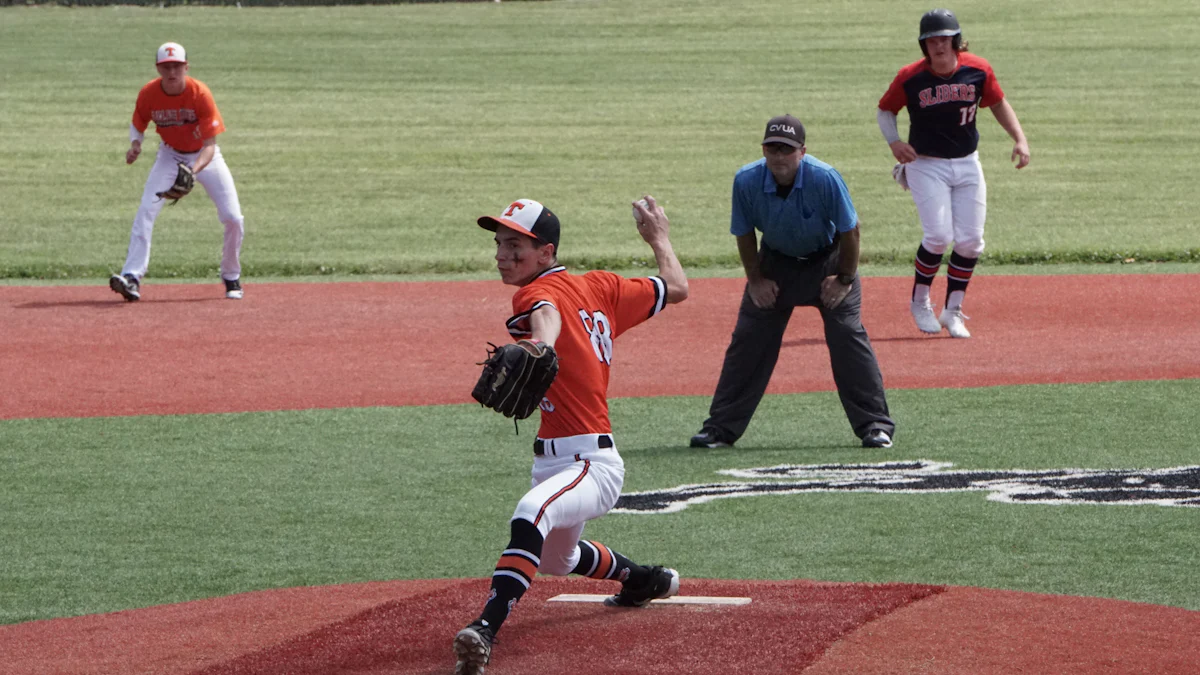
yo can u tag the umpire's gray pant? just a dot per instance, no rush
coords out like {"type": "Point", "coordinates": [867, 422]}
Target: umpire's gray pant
{"type": "Point", "coordinates": [758, 336]}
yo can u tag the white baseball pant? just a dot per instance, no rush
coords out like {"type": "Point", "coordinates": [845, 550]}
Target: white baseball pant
{"type": "Point", "coordinates": [951, 199]}
{"type": "Point", "coordinates": [582, 483]}
{"type": "Point", "coordinates": [217, 182]}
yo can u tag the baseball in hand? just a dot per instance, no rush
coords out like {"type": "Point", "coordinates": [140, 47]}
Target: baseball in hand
{"type": "Point", "coordinates": [637, 218]}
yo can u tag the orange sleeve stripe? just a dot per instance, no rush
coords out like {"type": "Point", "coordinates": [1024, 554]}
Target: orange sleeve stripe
{"type": "Point", "coordinates": [587, 465]}
{"type": "Point", "coordinates": [516, 562]}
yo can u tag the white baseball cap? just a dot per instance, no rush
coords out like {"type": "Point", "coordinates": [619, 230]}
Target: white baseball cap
{"type": "Point", "coordinates": [171, 52]}
{"type": "Point", "coordinates": [526, 217]}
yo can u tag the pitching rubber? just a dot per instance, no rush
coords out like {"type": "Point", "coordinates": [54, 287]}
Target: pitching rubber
{"type": "Point", "coordinates": [677, 600]}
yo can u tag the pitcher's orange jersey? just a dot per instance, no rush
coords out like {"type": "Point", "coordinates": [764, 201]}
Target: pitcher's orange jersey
{"type": "Point", "coordinates": [596, 308]}
{"type": "Point", "coordinates": [183, 121]}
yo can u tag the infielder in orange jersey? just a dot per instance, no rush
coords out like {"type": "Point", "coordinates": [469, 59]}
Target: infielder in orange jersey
{"type": "Point", "coordinates": [186, 118]}
{"type": "Point", "coordinates": [577, 471]}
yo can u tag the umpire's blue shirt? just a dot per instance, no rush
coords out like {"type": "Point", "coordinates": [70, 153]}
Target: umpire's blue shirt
{"type": "Point", "coordinates": [806, 221]}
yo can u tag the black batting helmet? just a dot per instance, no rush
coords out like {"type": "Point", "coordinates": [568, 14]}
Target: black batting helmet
{"type": "Point", "coordinates": [939, 22]}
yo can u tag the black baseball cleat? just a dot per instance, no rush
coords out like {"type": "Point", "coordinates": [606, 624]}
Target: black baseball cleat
{"type": "Point", "coordinates": [233, 289]}
{"type": "Point", "coordinates": [877, 438]}
{"type": "Point", "coordinates": [707, 438]}
{"type": "Point", "coordinates": [127, 286]}
{"type": "Point", "coordinates": [664, 583]}
{"type": "Point", "coordinates": [473, 649]}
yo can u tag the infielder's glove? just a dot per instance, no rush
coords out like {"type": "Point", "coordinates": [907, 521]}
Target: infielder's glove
{"type": "Point", "coordinates": [515, 378]}
{"type": "Point", "coordinates": [185, 179]}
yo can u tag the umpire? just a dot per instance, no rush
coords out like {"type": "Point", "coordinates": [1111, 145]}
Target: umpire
{"type": "Point", "coordinates": [808, 258]}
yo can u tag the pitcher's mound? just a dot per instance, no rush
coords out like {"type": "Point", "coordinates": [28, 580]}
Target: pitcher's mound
{"type": "Point", "coordinates": [789, 627]}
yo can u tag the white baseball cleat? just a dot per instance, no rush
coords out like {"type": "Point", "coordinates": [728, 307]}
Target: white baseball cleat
{"type": "Point", "coordinates": [922, 312]}
{"type": "Point", "coordinates": [953, 319]}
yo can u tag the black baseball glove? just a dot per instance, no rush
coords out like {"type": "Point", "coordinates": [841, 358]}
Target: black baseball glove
{"type": "Point", "coordinates": [185, 180]}
{"type": "Point", "coordinates": [515, 377]}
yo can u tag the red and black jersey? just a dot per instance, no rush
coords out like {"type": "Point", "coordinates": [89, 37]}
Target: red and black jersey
{"type": "Point", "coordinates": [941, 110]}
{"type": "Point", "coordinates": [595, 308]}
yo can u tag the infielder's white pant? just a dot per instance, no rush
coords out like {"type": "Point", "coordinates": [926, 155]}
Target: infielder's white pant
{"type": "Point", "coordinates": [217, 182]}
{"type": "Point", "coordinates": [581, 483]}
{"type": "Point", "coordinates": [951, 199]}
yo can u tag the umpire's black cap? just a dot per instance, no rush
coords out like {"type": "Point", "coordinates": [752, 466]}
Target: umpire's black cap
{"type": "Point", "coordinates": [784, 129]}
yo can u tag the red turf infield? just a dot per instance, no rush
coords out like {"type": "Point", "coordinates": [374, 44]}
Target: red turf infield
{"type": "Point", "coordinates": [185, 349]}
{"type": "Point", "coordinates": [291, 346]}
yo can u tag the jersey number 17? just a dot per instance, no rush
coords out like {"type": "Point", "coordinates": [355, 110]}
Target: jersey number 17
{"type": "Point", "coordinates": [968, 114]}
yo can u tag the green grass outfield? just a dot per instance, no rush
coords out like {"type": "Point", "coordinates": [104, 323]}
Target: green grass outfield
{"type": "Point", "coordinates": [367, 139]}
{"type": "Point", "coordinates": [108, 514]}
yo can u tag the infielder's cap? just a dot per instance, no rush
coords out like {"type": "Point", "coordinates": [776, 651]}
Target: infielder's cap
{"type": "Point", "coordinates": [527, 217]}
{"type": "Point", "coordinates": [785, 129]}
{"type": "Point", "coordinates": [171, 52]}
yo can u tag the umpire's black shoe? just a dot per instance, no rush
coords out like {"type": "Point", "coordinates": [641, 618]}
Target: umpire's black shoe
{"type": "Point", "coordinates": [127, 286]}
{"type": "Point", "coordinates": [877, 438]}
{"type": "Point", "coordinates": [707, 438]}
{"type": "Point", "coordinates": [664, 583]}
{"type": "Point", "coordinates": [473, 649]}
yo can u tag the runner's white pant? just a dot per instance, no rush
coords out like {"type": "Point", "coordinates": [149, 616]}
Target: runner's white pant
{"type": "Point", "coordinates": [951, 199]}
{"type": "Point", "coordinates": [217, 182]}
{"type": "Point", "coordinates": [569, 490]}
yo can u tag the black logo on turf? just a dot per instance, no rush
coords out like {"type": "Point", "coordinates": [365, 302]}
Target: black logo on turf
{"type": "Point", "coordinates": [1174, 486]}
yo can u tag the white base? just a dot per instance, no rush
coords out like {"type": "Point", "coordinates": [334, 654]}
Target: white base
{"type": "Point", "coordinates": [677, 600]}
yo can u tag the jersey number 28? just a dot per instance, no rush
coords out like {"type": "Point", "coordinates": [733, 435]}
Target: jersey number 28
{"type": "Point", "coordinates": [600, 333]}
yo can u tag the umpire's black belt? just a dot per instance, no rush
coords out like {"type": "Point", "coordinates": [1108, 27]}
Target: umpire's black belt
{"type": "Point", "coordinates": [571, 445]}
{"type": "Point", "coordinates": [813, 256]}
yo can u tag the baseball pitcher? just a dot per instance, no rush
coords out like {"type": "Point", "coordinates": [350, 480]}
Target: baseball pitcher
{"type": "Point", "coordinates": [568, 325]}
